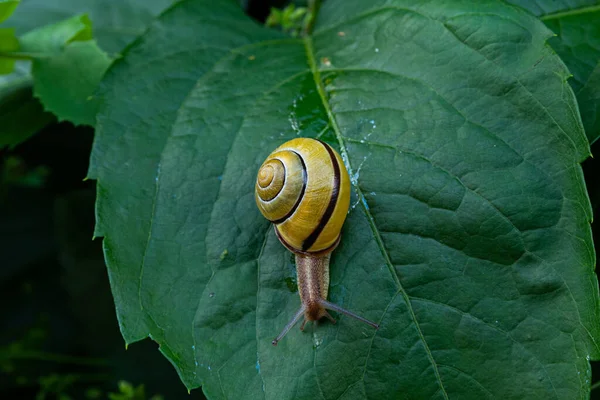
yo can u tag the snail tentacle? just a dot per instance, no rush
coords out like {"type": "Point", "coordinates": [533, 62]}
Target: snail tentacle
{"type": "Point", "coordinates": [290, 325]}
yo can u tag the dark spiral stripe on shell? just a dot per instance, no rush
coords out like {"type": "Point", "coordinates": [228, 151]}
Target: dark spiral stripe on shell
{"type": "Point", "coordinates": [312, 238]}
{"type": "Point", "coordinates": [304, 180]}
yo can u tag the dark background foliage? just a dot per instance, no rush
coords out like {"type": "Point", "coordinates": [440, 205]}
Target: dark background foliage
{"type": "Point", "coordinates": [60, 335]}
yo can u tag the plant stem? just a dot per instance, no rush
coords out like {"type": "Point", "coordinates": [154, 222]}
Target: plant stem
{"type": "Point", "coordinates": [313, 9]}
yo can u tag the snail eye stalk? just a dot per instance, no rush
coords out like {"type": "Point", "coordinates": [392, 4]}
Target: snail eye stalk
{"type": "Point", "coordinates": [290, 325]}
{"type": "Point", "coordinates": [336, 308]}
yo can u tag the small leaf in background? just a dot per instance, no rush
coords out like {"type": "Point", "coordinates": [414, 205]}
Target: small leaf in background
{"type": "Point", "coordinates": [66, 82]}
{"type": "Point", "coordinates": [115, 23]}
{"type": "Point", "coordinates": [290, 19]}
{"type": "Point", "coordinates": [8, 44]}
{"type": "Point", "coordinates": [468, 238]}
{"type": "Point", "coordinates": [578, 44]}
{"type": "Point", "coordinates": [8, 40]}
{"type": "Point", "coordinates": [274, 18]}
{"type": "Point", "coordinates": [54, 38]}
{"type": "Point", "coordinates": [7, 7]}
{"type": "Point", "coordinates": [128, 392]}
{"type": "Point", "coordinates": [67, 67]}
{"type": "Point", "coordinates": [589, 104]}
{"type": "Point", "coordinates": [577, 26]}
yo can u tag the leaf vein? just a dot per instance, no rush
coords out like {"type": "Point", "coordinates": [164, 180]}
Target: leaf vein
{"type": "Point", "coordinates": [505, 333]}
{"type": "Point", "coordinates": [422, 81]}
{"type": "Point", "coordinates": [396, 8]}
{"type": "Point", "coordinates": [458, 179]}
{"type": "Point", "coordinates": [387, 307]}
{"type": "Point", "coordinates": [470, 377]}
{"type": "Point", "coordinates": [518, 81]}
{"type": "Point", "coordinates": [321, 90]}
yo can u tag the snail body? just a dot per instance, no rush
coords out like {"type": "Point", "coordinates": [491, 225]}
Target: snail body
{"type": "Point", "coordinates": [303, 187]}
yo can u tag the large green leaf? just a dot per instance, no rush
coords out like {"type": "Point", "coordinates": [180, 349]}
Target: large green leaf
{"type": "Point", "coordinates": [468, 237]}
{"type": "Point", "coordinates": [577, 26]}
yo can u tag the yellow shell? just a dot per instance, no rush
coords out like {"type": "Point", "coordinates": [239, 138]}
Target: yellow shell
{"type": "Point", "coordinates": [303, 187]}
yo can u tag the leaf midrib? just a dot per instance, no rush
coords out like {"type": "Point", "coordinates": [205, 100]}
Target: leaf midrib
{"type": "Point", "coordinates": [310, 53]}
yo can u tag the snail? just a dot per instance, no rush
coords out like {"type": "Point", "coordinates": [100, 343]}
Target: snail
{"type": "Point", "coordinates": [303, 188]}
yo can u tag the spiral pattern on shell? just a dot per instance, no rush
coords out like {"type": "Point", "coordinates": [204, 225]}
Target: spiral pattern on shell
{"type": "Point", "coordinates": [303, 187]}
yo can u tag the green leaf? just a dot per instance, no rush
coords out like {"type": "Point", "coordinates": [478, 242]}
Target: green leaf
{"type": "Point", "coordinates": [20, 77]}
{"type": "Point", "coordinates": [8, 40]}
{"type": "Point", "coordinates": [578, 44]}
{"type": "Point", "coordinates": [21, 115]}
{"type": "Point", "coordinates": [577, 27]}
{"type": "Point", "coordinates": [468, 237]}
{"type": "Point", "coordinates": [543, 8]}
{"type": "Point", "coordinates": [66, 82]}
{"type": "Point", "coordinates": [588, 97]}
{"type": "Point", "coordinates": [54, 38]}
{"type": "Point", "coordinates": [67, 67]}
{"type": "Point", "coordinates": [8, 43]}
{"type": "Point", "coordinates": [7, 7]}
{"type": "Point", "coordinates": [70, 79]}
{"type": "Point", "coordinates": [116, 23]}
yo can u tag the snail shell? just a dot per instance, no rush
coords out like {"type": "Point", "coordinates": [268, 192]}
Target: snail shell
{"type": "Point", "coordinates": [304, 189]}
